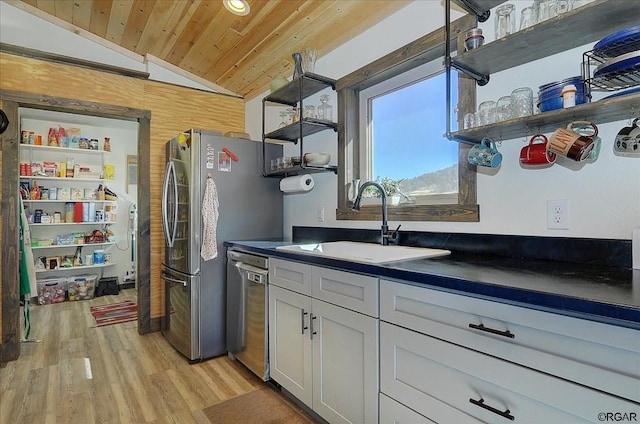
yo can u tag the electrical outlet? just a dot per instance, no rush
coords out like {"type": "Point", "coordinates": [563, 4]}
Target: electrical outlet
{"type": "Point", "coordinates": [558, 214]}
{"type": "Point", "coordinates": [321, 214]}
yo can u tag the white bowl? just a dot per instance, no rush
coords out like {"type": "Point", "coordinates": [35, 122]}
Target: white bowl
{"type": "Point", "coordinates": [317, 159]}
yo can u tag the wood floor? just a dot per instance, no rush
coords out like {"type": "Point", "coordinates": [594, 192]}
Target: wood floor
{"type": "Point", "coordinates": [82, 374]}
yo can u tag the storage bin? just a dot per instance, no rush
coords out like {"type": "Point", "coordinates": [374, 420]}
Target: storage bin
{"type": "Point", "coordinates": [51, 290]}
{"type": "Point", "coordinates": [81, 287]}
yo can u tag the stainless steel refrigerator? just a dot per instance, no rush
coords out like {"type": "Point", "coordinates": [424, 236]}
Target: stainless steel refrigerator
{"type": "Point", "coordinates": [249, 208]}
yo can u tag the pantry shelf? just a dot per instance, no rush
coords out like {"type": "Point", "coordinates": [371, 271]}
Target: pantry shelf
{"type": "Point", "coordinates": [59, 246]}
{"type": "Point", "coordinates": [73, 268]}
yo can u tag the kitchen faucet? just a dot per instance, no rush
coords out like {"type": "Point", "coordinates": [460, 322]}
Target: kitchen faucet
{"type": "Point", "coordinates": [385, 228]}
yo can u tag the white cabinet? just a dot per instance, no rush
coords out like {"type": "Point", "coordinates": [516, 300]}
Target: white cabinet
{"type": "Point", "coordinates": [393, 412]}
{"type": "Point", "coordinates": [598, 355]}
{"type": "Point", "coordinates": [450, 383]}
{"type": "Point", "coordinates": [325, 354]}
{"type": "Point", "coordinates": [455, 358]}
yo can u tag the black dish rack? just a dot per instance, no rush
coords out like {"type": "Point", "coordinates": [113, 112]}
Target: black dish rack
{"type": "Point", "coordinates": [611, 81]}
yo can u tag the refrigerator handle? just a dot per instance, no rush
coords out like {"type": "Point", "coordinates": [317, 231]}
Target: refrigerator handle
{"type": "Point", "coordinates": [175, 210]}
{"type": "Point", "coordinates": [173, 280]}
{"type": "Point", "coordinates": [169, 235]}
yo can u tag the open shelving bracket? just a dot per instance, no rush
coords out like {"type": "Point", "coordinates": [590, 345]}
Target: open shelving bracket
{"type": "Point", "coordinates": [449, 63]}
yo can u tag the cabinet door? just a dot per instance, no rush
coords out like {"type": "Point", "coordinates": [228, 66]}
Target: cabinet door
{"type": "Point", "coordinates": [289, 342]}
{"type": "Point", "coordinates": [345, 365]}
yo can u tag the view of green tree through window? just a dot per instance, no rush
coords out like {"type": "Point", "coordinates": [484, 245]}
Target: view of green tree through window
{"type": "Point", "coordinates": [405, 127]}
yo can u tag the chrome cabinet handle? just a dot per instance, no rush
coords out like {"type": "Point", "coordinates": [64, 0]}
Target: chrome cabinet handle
{"type": "Point", "coordinates": [312, 332]}
{"type": "Point", "coordinates": [302, 315]}
{"type": "Point", "coordinates": [481, 327]}
{"type": "Point", "coordinates": [481, 404]}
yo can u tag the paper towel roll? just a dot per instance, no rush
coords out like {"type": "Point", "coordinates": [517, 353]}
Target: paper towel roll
{"type": "Point", "coordinates": [297, 184]}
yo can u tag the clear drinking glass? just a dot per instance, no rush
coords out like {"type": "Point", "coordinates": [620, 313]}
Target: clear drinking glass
{"type": "Point", "coordinates": [522, 102]}
{"type": "Point", "coordinates": [309, 60]}
{"type": "Point", "coordinates": [283, 118]}
{"type": "Point", "coordinates": [547, 9]}
{"type": "Point", "coordinates": [505, 21]}
{"type": "Point", "coordinates": [503, 109]}
{"type": "Point", "coordinates": [309, 111]}
{"type": "Point", "coordinates": [487, 113]}
{"type": "Point", "coordinates": [563, 6]}
{"type": "Point", "coordinates": [527, 17]}
{"type": "Point", "coordinates": [470, 120]}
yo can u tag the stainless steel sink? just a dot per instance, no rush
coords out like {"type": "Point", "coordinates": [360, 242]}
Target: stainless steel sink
{"type": "Point", "coordinates": [364, 252]}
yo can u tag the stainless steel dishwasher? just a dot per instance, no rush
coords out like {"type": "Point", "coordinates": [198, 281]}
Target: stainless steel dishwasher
{"type": "Point", "coordinates": [247, 311]}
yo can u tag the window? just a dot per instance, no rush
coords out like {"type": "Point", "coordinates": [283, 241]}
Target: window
{"type": "Point", "coordinates": [403, 120]}
{"type": "Point", "coordinates": [364, 158]}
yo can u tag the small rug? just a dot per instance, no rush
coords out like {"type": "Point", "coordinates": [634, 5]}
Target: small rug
{"type": "Point", "coordinates": [261, 406]}
{"type": "Point", "coordinates": [115, 313]}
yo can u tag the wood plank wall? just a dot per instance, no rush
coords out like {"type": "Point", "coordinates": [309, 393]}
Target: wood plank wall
{"type": "Point", "coordinates": [173, 109]}
{"type": "Point", "coordinates": [0, 232]}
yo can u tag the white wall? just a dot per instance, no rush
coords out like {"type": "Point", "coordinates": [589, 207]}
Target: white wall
{"type": "Point", "coordinates": [604, 196]}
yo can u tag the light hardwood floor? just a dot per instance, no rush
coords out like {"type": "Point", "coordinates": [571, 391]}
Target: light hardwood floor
{"type": "Point", "coordinates": [82, 374]}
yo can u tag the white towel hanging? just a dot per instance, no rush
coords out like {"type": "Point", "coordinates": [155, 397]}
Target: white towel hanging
{"type": "Point", "coordinates": [210, 219]}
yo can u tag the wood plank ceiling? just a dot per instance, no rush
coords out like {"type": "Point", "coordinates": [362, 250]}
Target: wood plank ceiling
{"type": "Point", "coordinates": [239, 53]}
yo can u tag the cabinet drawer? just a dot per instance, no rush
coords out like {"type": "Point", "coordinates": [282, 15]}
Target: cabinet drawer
{"type": "Point", "coordinates": [352, 291]}
{"type": "Point", "coordinates": [598, 355]}
{"type": "Point", "coordinates": [393, 412]}
{"type": "Point", "coordinates": [290, 275]}
{"type": "Point", "coordinates": [429, 375]}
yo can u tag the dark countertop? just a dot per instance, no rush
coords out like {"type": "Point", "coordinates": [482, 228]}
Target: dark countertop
{"type": "Point", "coordinates": [605, 294]}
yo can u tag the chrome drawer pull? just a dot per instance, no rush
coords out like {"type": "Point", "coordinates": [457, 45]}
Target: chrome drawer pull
{"type": "Point", "coordinates": [481, 327]}
{"type": "Point", "coordinates": [302, 314]}
{"type": "Point", "coordinates": [480, 403]}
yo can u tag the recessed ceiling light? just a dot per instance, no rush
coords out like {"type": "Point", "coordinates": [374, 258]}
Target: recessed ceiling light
{"type": "Point", "coordinates": [237, 7]}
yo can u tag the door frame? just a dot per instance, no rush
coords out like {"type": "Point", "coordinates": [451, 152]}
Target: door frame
{"type": "Point", "coordinates": [11, 102]}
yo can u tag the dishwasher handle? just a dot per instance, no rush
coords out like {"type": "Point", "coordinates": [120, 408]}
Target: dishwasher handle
{"type": "Point", "coordinates": [254, 274]}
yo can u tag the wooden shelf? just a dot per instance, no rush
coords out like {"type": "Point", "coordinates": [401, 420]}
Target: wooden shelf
{"type": "Point", "coordinates": [600, 112]}
{"type": "Point", "coordinates": [290, 93]}
{"type": "Point", "coordinates": [578, 27]}
{"type": "Point", "coordinates": [308, 126]}
{"type": "Point", "coordinates": [298, 170]}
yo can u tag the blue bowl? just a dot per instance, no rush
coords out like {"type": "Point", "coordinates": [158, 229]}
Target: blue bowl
{"type": "Point", "coordinates": [554, 89]}
{"type": "Point", "coordinates": [554, 103]}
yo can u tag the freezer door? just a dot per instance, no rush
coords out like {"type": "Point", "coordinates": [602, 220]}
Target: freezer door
{"type": "Point", "coordinates": [181, 320]}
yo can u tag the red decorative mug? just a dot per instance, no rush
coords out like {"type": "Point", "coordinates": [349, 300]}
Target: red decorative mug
{"type": "Point", "coordinates": [537, 153]}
